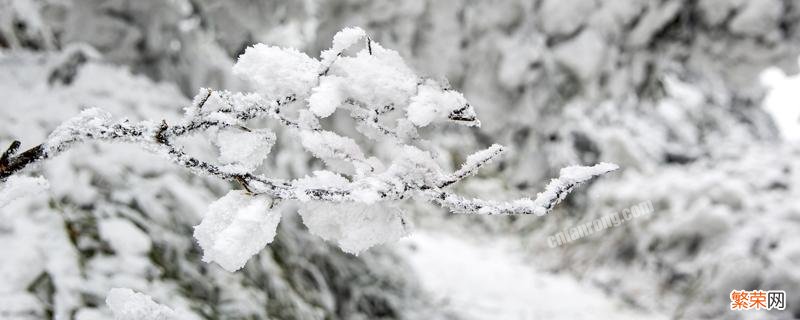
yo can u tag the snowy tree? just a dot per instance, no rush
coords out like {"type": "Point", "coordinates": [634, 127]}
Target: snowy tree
{"type": "Point", "coordinates": [349, 202]}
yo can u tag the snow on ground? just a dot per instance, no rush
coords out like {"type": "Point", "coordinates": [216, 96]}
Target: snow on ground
{"type": "Point", "coordinates": [489, 280]}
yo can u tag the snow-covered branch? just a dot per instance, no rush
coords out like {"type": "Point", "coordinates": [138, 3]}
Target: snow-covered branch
{"type": "Point", "coordinates": [555, 191]}
{"type": "Point", "coordinates": [385, 97]}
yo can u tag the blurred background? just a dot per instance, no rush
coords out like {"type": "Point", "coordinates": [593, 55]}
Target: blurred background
{"type": "Point", "coordinates": [696, 100]}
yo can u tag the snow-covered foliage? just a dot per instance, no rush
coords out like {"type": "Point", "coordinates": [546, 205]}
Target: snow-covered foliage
{"type": "Point", "coordinates": [277, 72]}
{"type": "Point", "coordinates": [244, 150]}
{"type": "Point", "coordinates": [434, 103]}
{"type": "Point", "coordinates": [236, 227]}
{"type": "Point", "coordinates": [374, 81]}
{"type": "Point", "coordinates": [355, 227]}
{"type": "Point", "coordinates": [117, 216]}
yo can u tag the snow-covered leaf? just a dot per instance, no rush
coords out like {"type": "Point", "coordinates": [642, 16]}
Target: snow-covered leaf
{"type": "Point", "coordinates": [334, 149]}
{"type": "Point", "coordinates": [355, 227]}
{"type": "Point", "coordinates": [236, 227]}
{"type": "Point", "coordinates": [277, 72]}
{"type": "Point", "coordinates": [242, 149]}
{"type": "Point", "coordinates": [341, 41]}
{"type": "Point", "coordinates": [378, 79]}
{"type": "Point", "coordinates": [326, 97]}
{"type": "Point", "coordinates": [432, 103]}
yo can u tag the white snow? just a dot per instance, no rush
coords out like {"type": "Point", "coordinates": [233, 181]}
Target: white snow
{"type": "Point", "coordinates": [326, 97]}
{"type": "Point", "coordinates": [567, 176]}
{"type": "Point", "coordinates": [341, 41]}
{"type": "Point", "coordinates": [378, 79]}
{"type": "Point", "coordinates": [583, 173]}
{"type": "Point", "coordinates": [18, 186]}
{"type": "Point", "coordinates": [124, 237]}
{"type": "Point", "coordinates": [129, 305]}
{"type": "Point", "coordinates": [781, 101]}
{"type": "Point", "coordinates": [245, 149]}
{"type": "Point", "coordinates": [330, 147]}
{"type": "Point", "coordinates": [277, 72]}
{"type": "Point", "coordinates": [236, 227]}
{"type": "Point", "coordinates": [319, 179]}
{"type": "Point", "coordinates": [476, 160]}
{"type": "Point", "coordinates": [90, 121]}
{"type": "Point", "coordinates": [491, 280]}
{"type": "Point", "coordinates": [415, 166]}
{"type": "Point", "coordinates": [355, 227]}
{"type": "Point", "coordinates": [432, 103]}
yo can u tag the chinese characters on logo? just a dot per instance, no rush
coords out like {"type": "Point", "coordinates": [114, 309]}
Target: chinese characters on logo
{"type": "Point", "coordinates": [758, 300]}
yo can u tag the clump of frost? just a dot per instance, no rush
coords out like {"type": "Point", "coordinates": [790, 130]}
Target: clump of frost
{"type": "Point", "coordinates": [341, 41]}
{"type": "Point", "coordinates": [415, 167]}
{"type": "Point", "coordinates": [378, 79]}
{"type": "Point", "coordinates": [355, 227]}
{"type": "Point", "coordinates": [236, 227]}
{"type": "Point", "coordinates": [17, 187]}
{"type": "Point", "coordinates": [126, 304]}
{"type": "Point", "coordinates": [432, 103]}
{"type": "Point", "coordinates": [277, 72]}
{"type": "Point", "coordinates": [244, 149]}
{"type": "Point", "coordinates": [326, 97]}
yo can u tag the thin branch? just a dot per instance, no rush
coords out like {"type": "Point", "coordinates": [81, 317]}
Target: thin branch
{"type": "Point", "coordinates": [156, 138]}
{"type": "Point", "coordinates": [473, 164]}
{"type": "Point", "coordinates": [14, 164]}
{"type": "Point", "coordinates": [12, 149]}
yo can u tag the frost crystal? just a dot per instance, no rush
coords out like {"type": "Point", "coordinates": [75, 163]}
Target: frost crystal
{"type": "Point", "coordinates": [129, 305]}
{"type": "Point", "coordinates": [236, 227]}
{"type": "Point", "coordinates": [277, 72]}
{"type": "Point", "coordinates": [355, 227]}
